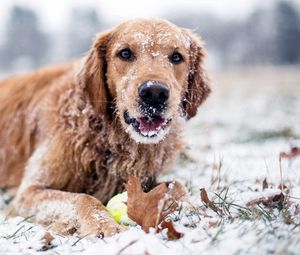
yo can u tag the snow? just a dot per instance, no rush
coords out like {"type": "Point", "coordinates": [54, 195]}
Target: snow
{"type": "Point", "coordinates": [155, 54]}
{"type": "Point", "coordinates": [149, 83]}
{"type": "Point", "coordinates": [36, 243]}
{"type": "Point", "coordinates": [233, 145]}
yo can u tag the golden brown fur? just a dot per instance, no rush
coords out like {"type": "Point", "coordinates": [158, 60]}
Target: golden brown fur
{"type": "Point", "coordinates": [63, 140]}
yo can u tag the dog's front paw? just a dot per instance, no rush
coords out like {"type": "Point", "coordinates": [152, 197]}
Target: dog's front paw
{"type": "Point", "coordinates": [94, 219]}
{"type": "Point", "coordinates": [90, 218]}
{"type": "Point", "coordinates": [100, 224]}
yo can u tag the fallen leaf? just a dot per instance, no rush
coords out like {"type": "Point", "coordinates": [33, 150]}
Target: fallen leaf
{"type": "Point", "coordinates": [276, 199]}
{"type": "Point", "coordinates": [294, 152]}
{"type": "Point", "coordinates": [148, 209]}
{"type": "Point", "coordinates": [269, 200]}
{"type": "Point", "coordinates": [172, 233]}
{"type": "Point", "coordinates": [178, 191]}
{"type": "Point", "coordinates": [265, 184]}
{"type": "Point", "coordinates": [212, 223]}
{"type": "Point", "coordinates": [208, 202]}
{"type": "Point", "coordinates": [282, 186]}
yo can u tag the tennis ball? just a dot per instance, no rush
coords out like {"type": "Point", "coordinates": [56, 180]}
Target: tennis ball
{"type": "Point", "coordinates": [117, 208]}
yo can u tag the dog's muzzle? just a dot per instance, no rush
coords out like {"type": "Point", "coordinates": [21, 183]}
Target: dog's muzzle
{"type": "Point", "coordinates": [153, 102]}
{"type": "Point", "coordinates": [153, 97]}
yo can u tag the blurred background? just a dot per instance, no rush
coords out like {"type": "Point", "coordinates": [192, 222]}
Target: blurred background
{"type": "Point", "coordinates": [253, 53]}
{"type": "Point", "coordinates": [236, 33]}
{"type": "Point", "coordinates": [252, 115]}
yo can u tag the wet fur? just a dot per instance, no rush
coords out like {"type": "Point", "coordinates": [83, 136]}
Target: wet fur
{"type": "Point", "coordinates": [63, 144]}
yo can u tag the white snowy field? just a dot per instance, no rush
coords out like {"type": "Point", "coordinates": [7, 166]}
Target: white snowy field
{"type": "Point", "coordinates": [232, 146]}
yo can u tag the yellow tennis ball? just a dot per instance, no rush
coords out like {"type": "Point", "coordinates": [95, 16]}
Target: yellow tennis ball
{"type": "Point", "coordinates": [117, 207]}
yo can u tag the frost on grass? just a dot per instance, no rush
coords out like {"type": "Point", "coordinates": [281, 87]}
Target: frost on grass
{"type": "Point", "coordinates": [233, 146]}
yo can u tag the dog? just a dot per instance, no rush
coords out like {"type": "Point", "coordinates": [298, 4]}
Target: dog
{"type": "Point", "coordinates": [71, 134]}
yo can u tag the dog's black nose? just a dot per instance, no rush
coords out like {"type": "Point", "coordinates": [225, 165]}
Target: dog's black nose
{"type": "Point", "coordinates": [154, 94]}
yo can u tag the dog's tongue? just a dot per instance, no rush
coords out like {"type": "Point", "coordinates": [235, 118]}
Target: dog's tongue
{"type": "Point", "coordinates": [150, 125]}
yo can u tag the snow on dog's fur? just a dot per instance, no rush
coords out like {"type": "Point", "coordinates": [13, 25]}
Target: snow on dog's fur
{"type": "Point", "coordinates": [64, 138]}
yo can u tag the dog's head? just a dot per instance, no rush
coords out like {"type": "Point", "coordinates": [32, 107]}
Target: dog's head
{"type": "Point", "coordinates": [146, 73]}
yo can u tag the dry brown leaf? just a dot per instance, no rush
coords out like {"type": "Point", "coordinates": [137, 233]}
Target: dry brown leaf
{"type": "Point", "coordinates": [208, 202]}
{"type": "Point", "coordinates": [212, 223]}
{"type": "Point", "coordinates": [294, 152]}
{"type": "Point", "coordinates": [282, 186]}
{"type": "Point", "coordinates": [267, 200]}
{"type": "Point", "coordinates": [265, 184]}
{"type": "Point", "coordinates": [148, 209]}
{"type": "Point", "coordinates": [172, 233]}
{"type": "Point", "coordinates": [178, 191]}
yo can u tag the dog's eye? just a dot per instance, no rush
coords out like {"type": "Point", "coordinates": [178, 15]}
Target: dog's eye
{"type": "Point", "coordinates": [176, 58]}
{"type": "Point", "coordinates": [126, 54]}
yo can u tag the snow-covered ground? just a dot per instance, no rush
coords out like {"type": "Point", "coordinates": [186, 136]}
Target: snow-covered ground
{"type": "Point", "coordinates": [233, 145]}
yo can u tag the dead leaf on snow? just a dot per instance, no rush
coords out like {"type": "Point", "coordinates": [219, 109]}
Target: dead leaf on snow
{"type": "Point", "coordinates": [265, 184]}
{"type": "Point", "coordinates": [148, 209]}
{"type": "Point", "coordinates": [208, 202]}
{"type": "Point", "coordinates": [178, 191]}
{"type": "Point", "coordinates": [294, 152]}
{"type": "Point", "coordinates": [172, 233]}
{"type": "Point", "coordinates": [269, 200]}
{"type": "Point", "coordinates": [213, 223]}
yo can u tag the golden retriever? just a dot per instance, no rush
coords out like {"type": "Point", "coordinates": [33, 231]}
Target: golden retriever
{"type": "Point", "coordinates": [71, 134]}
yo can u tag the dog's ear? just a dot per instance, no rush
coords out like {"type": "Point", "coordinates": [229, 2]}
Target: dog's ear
{"type": "Point", "coordinates": [92, 75]}
{"type": "Point", "coordinates": [198, 82]}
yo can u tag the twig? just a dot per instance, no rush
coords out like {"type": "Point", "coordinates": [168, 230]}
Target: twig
{"type": "Point", "coordinates": [126, 246]}
{"type": "Point", "coordinates": [281, 178]}
{"type": "Point", "coordinates": [79, 239]}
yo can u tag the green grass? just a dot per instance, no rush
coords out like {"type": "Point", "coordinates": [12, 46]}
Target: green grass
{"type": "Point", "coordinates": [261, 136]}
